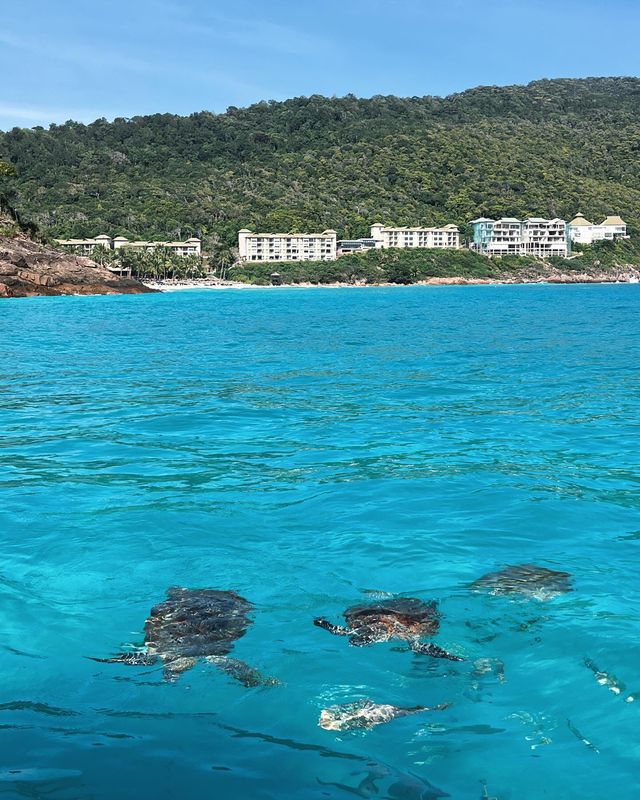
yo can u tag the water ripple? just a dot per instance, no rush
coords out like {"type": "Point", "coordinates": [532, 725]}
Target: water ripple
{"type": "Point", "coordinates": [313, 450]}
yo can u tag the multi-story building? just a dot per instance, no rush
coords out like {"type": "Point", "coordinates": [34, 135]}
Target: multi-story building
{"type": "Point", "coordinates": [190, 247]}
{"type": "Point", "coordinates": [446, 237]}
{"type": "Point", "coordinates": [510, 236]}
{"type": "Point", "coordinates": [287, 246]}
{"type": "Point", "coordinates": [346, 246]}
{"type": "Point", "coordinates": [545, 237]}
{"type": "Point", "coordinates": [585, 232]}
{"type": "Point", "coordinates": [85, 247]}
{"type": "Point", "coordinates": [502, 237]}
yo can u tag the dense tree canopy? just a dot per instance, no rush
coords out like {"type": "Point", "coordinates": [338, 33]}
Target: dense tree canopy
{"type": "Point", "coordinates": [549, 148]}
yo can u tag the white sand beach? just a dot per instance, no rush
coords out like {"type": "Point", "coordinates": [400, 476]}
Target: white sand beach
{"type": "Point", "coordinates": [630, 275]}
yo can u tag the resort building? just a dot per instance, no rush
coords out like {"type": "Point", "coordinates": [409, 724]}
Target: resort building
{"type": "Point", "coordinates": [510, 236]}
{"type": "Point", "coordinates": [287, 246]}
{"type": "Point", "coordinates": [502, 237]}
{"type": "Point", "coordinates": [85, 247]}
{"type": "Point", "coordinates": [346, 246]}
{"type": "Point", "coordinates": [545, 237]}
{"type": "Point", "coordinates": [585, 232]}
{"type": "Point", "coordinates": [190, 247]}
{"type": "Point", "coordinates": [447, 237]}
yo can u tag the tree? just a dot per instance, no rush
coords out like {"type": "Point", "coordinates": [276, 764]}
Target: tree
{"type": "Point", "coordinates": [7, 170]}
{"type": "Point", "coordinates": [7, 186]}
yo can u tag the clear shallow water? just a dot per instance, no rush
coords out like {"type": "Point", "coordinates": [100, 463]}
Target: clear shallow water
{"type": "Point", "coordinates": [303, 447]}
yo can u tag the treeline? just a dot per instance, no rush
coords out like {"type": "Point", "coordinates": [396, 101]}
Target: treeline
{"type": "Point", "coordinates": [606, 255]}
{"type": "Point", "coordinates": [404, 266]}
{"type": "Point", "coordinates": [550, 148]}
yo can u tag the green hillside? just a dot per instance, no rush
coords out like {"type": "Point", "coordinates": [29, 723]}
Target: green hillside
{"type": "Point", "coordinates": [549, 148]}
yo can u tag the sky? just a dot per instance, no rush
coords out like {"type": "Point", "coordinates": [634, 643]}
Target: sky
{"type": "Point", "coordinates": [85, 59]}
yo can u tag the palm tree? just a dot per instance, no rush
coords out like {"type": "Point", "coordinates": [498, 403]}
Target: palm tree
{"type": "Point", "coordinates": [224, 261]}
{"type": "Point", "coordinates": [226, 258]}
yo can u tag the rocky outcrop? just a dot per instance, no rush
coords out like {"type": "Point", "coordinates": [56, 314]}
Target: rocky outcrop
{"type": "Point", "coordinates": [28, 269]}
{"type": "Point", "coordinates": [544, 273]}
{"type": "Point", "coordinates": [547, 273]}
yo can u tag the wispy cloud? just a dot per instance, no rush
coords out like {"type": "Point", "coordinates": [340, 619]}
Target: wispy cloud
{"type": "Point", "coordinates": [74, 54]}
{"type": "Point", "coordinates": [101, 58]}
{"type": "Point", "coordinates": [254, 34]}
{"type": "Point", "coordinates": [271, 36]}
{"type": "Point", "coordinates": [44, 116]}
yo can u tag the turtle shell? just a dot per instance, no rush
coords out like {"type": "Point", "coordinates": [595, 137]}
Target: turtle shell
{"type": "Point", "coordinates": [526, 579]}
{"type": "Point", "coordinates": [417, 617]}
{"type": "Point", "coordinates": [196, 622]}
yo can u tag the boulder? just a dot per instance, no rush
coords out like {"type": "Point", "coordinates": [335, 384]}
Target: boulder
{"type": "Point", "coordinates": [28, 268]}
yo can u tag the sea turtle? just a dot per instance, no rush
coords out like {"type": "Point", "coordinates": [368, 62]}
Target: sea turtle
{"type": "Point", "coordinates": [382, 781]}
{"type": "Point", "coordinates": [405, 618]}
{"type": "Point", "coordinates": [192, 624]}
{"type": "Point", "coordinates": [366, 714]}
{"type": "Point", "coordinates": [525, 579]}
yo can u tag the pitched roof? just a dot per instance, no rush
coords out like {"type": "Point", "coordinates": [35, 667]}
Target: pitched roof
{"type": "Point", "coordinates": [614, 220]}
{"type": "Point", "coordinates": [262, 234]}
{"type": "Point", "coordinates": [75, 241]}
{"type": "Point", "coordinates": [579, 221]}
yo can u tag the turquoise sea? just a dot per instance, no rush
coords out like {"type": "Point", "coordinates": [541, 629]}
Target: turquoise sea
{"type": "Point", "coordinates": [313, 449]}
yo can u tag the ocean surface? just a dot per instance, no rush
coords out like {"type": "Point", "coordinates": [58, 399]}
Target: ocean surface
{"type": "Point", "coordinates": [314, 449]}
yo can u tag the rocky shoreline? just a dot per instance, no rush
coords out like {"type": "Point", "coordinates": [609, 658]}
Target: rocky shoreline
{"type": "Point", "coordinates": [29, 269]}
{"type": "Point", "coordinates": [543, 274]}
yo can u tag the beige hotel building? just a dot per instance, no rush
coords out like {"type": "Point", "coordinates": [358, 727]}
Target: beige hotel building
{"type": "Point", "coordinates": [287, 246]}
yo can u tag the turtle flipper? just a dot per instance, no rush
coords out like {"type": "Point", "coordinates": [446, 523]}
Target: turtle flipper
{"type": "Point", "coordinates": [361, 640]}
{"type": "Point", "coordinates": [174, 667]}
{"type": "Point", "coordinates": [133, 659]}
{"type": "Point", "coordinates": [336, 630]}
{"type": "Point", "coordinates": [241, 672]}
{"type": "Point", "coordinates": [368, 634]}
{"type": "Point", "coordinates": [430, 649]}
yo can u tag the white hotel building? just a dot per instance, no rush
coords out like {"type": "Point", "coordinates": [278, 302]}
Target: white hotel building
{"type": "Point", "coordinates": [445, 238]}
{"type": "Point", "coordinates": [545, 237]}
{"type": "Point", "coordinates": [287, 246]}
{"type": "Point", "coordinates": [585, 232]}
{"type": "Point", "coordinates": [190, 247]}
{"type": "Point", "coordinates": [85, 247]}
{"type": "Point", "coordinates": [533, 236]}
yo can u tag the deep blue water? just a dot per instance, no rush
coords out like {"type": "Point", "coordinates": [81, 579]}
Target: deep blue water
{"type": "Point", "coordinates": [307, 448]}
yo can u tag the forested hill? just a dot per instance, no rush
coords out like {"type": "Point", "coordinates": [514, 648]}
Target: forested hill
{"type": "Point", "coordinates": [549, 148]}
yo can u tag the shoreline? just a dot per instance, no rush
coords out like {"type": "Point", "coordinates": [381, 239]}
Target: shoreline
{"type": "Point", "coordinates": [628, 277]}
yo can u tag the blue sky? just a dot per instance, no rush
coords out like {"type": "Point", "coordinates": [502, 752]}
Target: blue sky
{"type": "Point", "coordinates": [83, 59]}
